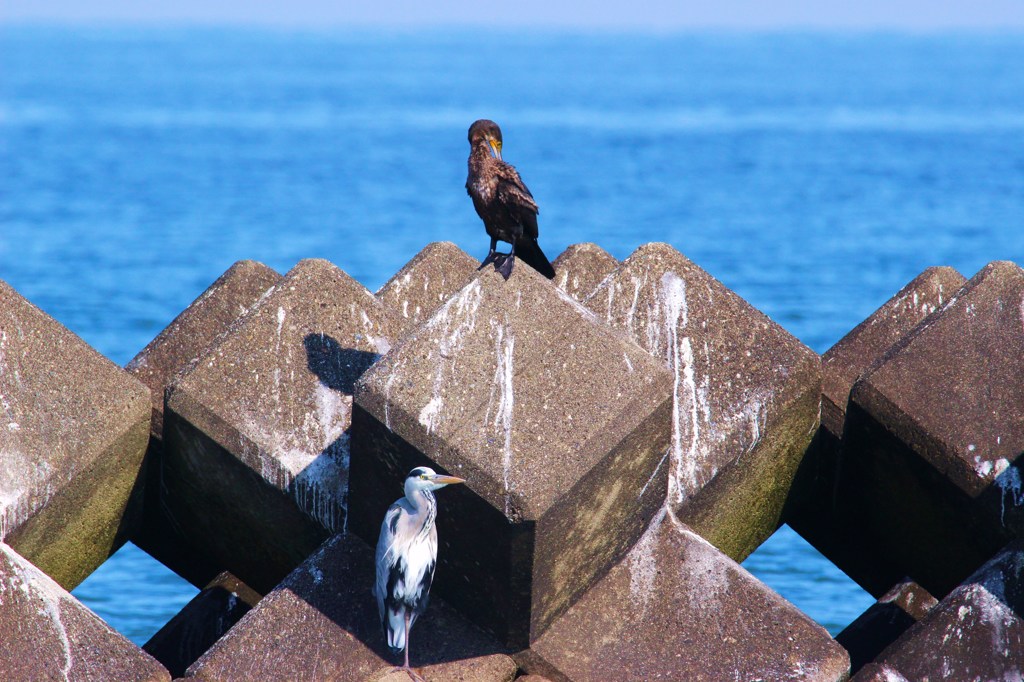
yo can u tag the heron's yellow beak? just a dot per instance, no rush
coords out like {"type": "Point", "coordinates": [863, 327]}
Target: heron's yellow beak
{"type": "Point", "coordinates": [495, 148]}
{"type": "Point", "coordinates": [446, 480]}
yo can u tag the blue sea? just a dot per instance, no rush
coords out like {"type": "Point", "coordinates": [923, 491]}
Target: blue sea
{"type": "Point", "coordinates": [814, 174]}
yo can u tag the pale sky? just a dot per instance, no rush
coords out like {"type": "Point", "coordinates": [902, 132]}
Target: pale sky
{"type": "Point", "coordinates": [657, 15]}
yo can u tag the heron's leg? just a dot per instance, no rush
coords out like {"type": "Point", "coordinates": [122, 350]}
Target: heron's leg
{"type": "Point", "coordinates": [505, 268]}
{"type": "Point", "coordinates": [412, 673]}
{"type": "Point", "coordinates": [407, 633]}
{"type": "Point", "coordinates": [492, 254]}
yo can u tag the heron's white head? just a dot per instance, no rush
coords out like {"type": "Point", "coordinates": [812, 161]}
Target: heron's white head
{"type": "Point", "coordinates": [425, 478]}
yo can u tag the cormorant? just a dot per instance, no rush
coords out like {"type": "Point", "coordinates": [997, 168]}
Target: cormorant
{"type": "Point", "coordinates": [406, 556]}
{"type": "Point", "coordinates": [503, 203]}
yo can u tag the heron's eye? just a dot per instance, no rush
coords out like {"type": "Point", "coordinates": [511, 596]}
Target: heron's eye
{"type": "Point", "coordinates": [423, 477]}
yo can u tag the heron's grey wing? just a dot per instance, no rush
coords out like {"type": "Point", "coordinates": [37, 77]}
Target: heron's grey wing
{"type": "Point", "coordinates": [385, 558]}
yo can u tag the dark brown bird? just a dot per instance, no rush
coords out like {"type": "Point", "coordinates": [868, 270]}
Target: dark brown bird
{"type": "Point", "coordinates": [503, 203]}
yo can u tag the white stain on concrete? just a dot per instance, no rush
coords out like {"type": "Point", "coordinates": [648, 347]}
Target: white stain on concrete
{"type": "Point", "coordinates": [504, 346]}
{"type": "Point", "coordinates": [310, 460]}
{"type": "Point", "coordinates": [38, 588]}
{"type": "Point", "coordinates": [686, 450]}
{"type": "Point", "coordinates": [451, 325]}
{"type": "Point", "coordinates": [26, 485]}
{"type": "Point", "coordinates": [643, 563]}
{"type": "Point", "coordinates": [1011, 487]}
{"type": "Point", "coordinates": [430, 413]}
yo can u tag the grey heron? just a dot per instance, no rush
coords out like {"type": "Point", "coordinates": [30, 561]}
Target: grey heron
{"type": "Point", "coordinates": [406, 556]}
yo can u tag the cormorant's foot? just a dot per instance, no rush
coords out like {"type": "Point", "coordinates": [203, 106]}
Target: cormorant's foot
{"type": "Point", "coordinates": [409, 671]}
{"type": "Point", "coordinates": [492, 257]}
{"type": "Point", "coordinates": [505, 268]}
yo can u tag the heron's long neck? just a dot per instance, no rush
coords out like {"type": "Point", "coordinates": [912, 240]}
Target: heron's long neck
{"type": "Point", "coordinates": [425, 504]}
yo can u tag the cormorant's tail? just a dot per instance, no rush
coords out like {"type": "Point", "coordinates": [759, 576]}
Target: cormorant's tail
{"type": "Point", "coordinates": [529, 252]}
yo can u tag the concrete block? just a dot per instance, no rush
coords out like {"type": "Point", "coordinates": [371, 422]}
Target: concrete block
{"type": "Point", "coordinates": [559, 423]}
{"type": "Point", "coordinates": [201, 622]}
{"type": "Point", "coordinates": [745, 396]}
{"type": "Point", "coordinates": [933, 434]}
{"type": "Point", "coordinates": [868, 342]}
{"type": "Point", "coordinates": [50, 635]}
{"type": "Point", "coordinates": [581, 268]}
{"type": "Point", "coordinates": [174, 351]}
{"type": "Point", "coordinates": [427, 281]}
{"type": "Point", "coordinates": [878, 672]}
{"type": "Point", "coordinates": [819, 507]}
{"type": "Point", "coordinates": [975, 633]}
{"type": "Point", "coordinates": [256, 436]}
{"type": "Point", "coordinates": [180, 345]}
{"type": "Point", "coordinates": [884, 621]}
{"type": "Point", "coordinates": [675, 608]}
{"type": "Point", "coordinates": [73, 432]}
{"type": "Point", "coordinates": [321, 623]}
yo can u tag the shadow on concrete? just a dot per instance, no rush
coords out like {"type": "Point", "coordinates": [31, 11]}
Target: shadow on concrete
{"type": "Point", "coordinates": [337, 367]}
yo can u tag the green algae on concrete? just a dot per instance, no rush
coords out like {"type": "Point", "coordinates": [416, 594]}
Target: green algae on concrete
{"type": "Point", "coordinates": [71, 447]}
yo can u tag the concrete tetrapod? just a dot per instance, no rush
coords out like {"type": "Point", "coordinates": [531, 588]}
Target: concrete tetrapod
{"type": "Point", "coordinates": [676, 608]}
{"type": "Point", "coordinates": [73, 434]}
{"type": "Point", "coordinates": [820, 509]}
{"type": "Point", "coordinates": [934, 432]}
{"type": "Point", "coordinates": [745, 393]}
{"type": "Point", "coordinates": [321, 623]}
{"type": "Point", "coordinates": [256, 435]}
{"type": "Point", "coordinates": [559, 424]}
{"type": "Point", "coordinates": [50, 635]}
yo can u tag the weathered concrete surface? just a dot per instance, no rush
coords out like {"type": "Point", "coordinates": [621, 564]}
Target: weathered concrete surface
{"type": "Point", "coordinates": [746, 393]}
{"type": "Point", "coordinates": [884, 621]}
{"type": "Point", "coordinates": [256, 436]}
{"type": "Point", "coordinates": [428, 280]}
{"type": "Point", "coordinates": [934, 432]}
{"type": "Point", "coordinates": [865, 345]}
{"type": "Point", "coordinates": [73, 432]}
{"type": "Point", "coordinates": [675, 608]}
{"type": "Point", "coordinates": [559, 423]}
{"type": "Point", "coordinates": [581, 268]}
{"type": "Point", "coordinates": [976, 633]}
{"type": "Point", "coordinates": [819, 508]}
{"type": "Point", "coordinates": [49, 635]}
{"type": "Point", "coordinates": [175, 350]}
{"type": "Point", "coordinates": [878, 672]}
{"type": "Point", "coordinates": [321, 623]}
{"type": "Point", "coordinates": [201, 622]}
{"type": "Point", "coordinates": [186, 339]}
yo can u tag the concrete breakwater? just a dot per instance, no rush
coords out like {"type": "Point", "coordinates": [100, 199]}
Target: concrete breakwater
{"type": "Point", "coordinates": [629, 433]}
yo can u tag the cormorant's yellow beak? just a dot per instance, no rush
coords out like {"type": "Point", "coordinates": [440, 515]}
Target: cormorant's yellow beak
{"type": "Point", "coordinates": [495, 148]}
{"type": "Point", "coordinates": [446, 480]}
